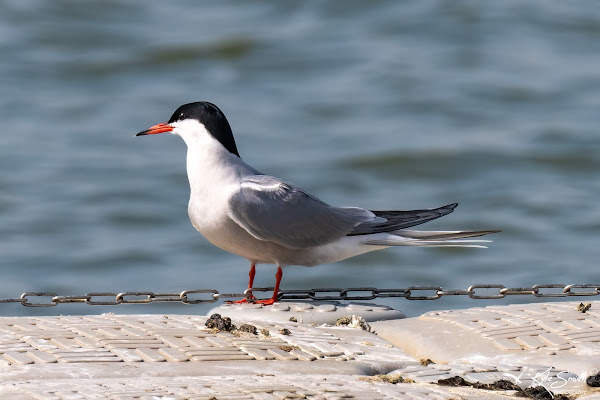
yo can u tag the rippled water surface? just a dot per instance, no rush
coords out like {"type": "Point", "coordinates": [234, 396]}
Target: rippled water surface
{"type": "Point", "coordinates": [493, 105]}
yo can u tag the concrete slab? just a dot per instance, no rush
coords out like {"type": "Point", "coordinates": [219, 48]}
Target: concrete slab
{"type": "Point", "coordinates": [552, 344]}
{"type": "Point", "coordinates": [177, 357]}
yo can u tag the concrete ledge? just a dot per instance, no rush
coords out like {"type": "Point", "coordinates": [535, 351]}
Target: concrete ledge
{"type": "Point", "coordinates": [316, 312]}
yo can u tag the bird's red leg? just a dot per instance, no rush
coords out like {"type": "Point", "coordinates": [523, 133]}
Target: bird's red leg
{"type": "Point", "coordinates": [251, 274]}
{"type": "Point", "coordinates": [273, 299]}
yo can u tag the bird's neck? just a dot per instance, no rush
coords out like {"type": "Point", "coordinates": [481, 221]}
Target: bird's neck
{"type": "Point", "coordinates": [213, 168]}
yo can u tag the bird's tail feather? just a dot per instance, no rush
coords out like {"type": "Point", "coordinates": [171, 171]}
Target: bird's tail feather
{"type": "Point", "coordinates": [441, 235]}
{"type": "Point", "coordinates": [431, 238]}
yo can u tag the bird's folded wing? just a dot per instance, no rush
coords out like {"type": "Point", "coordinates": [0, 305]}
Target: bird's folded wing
{"type": "Point", "coordinates": [391, 221]}
{"type": "Point", "coordinates": [270, 209]}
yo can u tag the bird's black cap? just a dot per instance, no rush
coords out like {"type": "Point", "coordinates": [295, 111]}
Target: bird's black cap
{"type": "Point", "coordinates": [213, 120]}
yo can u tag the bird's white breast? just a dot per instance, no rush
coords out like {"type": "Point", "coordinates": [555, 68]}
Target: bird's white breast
{"type": "Point", "coordinates": [214, 175]}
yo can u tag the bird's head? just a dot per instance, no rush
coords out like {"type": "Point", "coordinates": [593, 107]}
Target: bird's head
{"type": "Point", "coordinates": [195, 121]}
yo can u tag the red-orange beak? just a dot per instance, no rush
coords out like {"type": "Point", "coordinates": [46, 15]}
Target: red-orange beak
{"type": "Point", "coordinates": [153, 130]}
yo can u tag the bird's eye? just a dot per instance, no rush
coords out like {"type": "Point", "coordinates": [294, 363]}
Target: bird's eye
{"type": "Point", "coordinates": [182, 116]}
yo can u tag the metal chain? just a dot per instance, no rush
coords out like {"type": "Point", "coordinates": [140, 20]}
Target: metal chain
{"type": "Point", "coordinates": [201, 296]}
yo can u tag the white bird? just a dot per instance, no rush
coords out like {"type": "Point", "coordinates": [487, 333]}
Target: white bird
{"type": "Point", "coordinates": [269, 221]}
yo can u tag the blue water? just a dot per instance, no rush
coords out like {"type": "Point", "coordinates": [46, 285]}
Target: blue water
{"type": "Point", "coordinates": [388, 105]}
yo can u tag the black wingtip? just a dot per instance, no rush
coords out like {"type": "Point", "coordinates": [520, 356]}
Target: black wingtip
{"type": "Point", "coordinates": [445, 210]}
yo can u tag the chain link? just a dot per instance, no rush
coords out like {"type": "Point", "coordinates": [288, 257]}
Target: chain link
{"type": "Point", "coordinates": [27, 303]}
{"type": "Point", "coordinates": [203, 296]}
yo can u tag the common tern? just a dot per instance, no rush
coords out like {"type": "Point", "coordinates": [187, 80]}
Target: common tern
{"type": "Point", "coordinates": [269, 221]}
